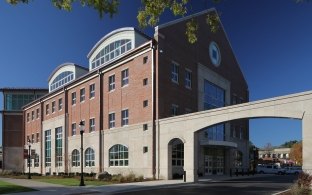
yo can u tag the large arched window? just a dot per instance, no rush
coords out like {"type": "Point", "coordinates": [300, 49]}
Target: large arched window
{"type": "Point", "coordinates": [118, 155]}
{"type": "Point", "coordinates": [89, 157]}
{"type": "Point", "coordinates": [61, 80]}
{"type": "Point", "coordinates": [75, 158]}
{"type": "Point", "coordinates": [111, 51]}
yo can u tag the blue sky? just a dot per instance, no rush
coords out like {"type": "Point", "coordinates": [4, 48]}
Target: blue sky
{"type": "Point", "coordinates": [271, 40]}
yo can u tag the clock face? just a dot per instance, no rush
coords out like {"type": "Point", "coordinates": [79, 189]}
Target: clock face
{"type": "Point", "coordinates": [214, 53]}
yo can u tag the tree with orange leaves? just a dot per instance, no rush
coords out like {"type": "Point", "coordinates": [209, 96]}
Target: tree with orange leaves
{"type": "Point", "coordinates": [296, 153]}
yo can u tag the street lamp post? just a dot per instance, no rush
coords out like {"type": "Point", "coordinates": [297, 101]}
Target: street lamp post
{"type": "Point", "coordinates": [29, 146]}
{"type": "Point", "coordinates": [81, 125]}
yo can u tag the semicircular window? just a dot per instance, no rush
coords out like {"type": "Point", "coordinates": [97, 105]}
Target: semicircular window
{"type": "Point", "coordinates": [61, 80]}
{"type": "Point", "coordinates": [111, 51]}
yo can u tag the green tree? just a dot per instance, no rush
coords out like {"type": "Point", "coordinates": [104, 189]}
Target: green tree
{"type": "Point", "coordinates": [148, 14]}
{"type": "Point", "coordinates": [289, 144]}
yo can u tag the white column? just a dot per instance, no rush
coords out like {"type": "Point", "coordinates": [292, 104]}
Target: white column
{"type": "Point", "coordinates": [307, 142]}
{"type": "Point", "coordinates": [191, 157]}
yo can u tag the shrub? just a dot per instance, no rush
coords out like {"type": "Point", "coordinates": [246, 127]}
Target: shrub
{"type": "Point", "coordinates": [302, 185]}
{"type": "Point", "coordinates": [130, 177]}
{"type": "Point", "coordinates": [304, 180]}
{"type": "Point", "coordinates": [105, 176]}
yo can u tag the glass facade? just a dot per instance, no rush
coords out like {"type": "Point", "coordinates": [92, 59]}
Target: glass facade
{"type": "Point", "coordinates": [214, 96]}
{"type": "Point", "coordinates": [111, 51]}
{"type": "Point", "coordinates": [118, 155]}
{"type": "Point", "coordinates": [58, 146]}
{"type": "Point", "coordinates": [14, 102]}
{"type": "Point", "coordinates": [47, 141]}
{"type": "Point", "coordinates": [215, 132]}
{"type": "Point", "coordinates": [61, 80]}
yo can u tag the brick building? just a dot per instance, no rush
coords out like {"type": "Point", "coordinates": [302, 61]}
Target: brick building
{"type": "Point", "coordinates": [132, 81]}
{"type": "Point", "coordinates": [12, 125]}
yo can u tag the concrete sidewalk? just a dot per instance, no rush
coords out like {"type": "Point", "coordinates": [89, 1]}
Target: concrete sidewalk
{"type": "Point", "coordinates": [47, 189]}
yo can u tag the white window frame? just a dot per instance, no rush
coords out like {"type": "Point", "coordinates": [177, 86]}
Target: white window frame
{"type": "Point", "coordinates": [125, 117]}
{"type": "Point", "coordinates": [53, 107]}
{"type": "Point", "coordinates": [60, 104]}
{"type": "Point", "coordinates": [74, 98]}
{"type": "Point", "coordinates": [82, 95]}
{"type": "Point", "coordinates": [111, 82]}
{"type": "Point", "coordinates": [92, 91]}
{"type": "Point", "coordinates": [175, 72]}
{"type": "Point", "coordinates": [125, 77]}
{"type": "Point", "coordinates": [111, 120]}
{"type": "Point", "coordinates": [92, 124]}
{"type": "Point", "coordinates": [188, 80]}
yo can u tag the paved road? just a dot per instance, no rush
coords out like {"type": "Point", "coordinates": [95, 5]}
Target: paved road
{"type": "Point", "coordinates": [250, 186]}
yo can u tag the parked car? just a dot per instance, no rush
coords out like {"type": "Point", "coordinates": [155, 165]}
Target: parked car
{"type": "Point", "coordinates": [293, 170]}
{"type": "Point", "coordinates": [273, 169]}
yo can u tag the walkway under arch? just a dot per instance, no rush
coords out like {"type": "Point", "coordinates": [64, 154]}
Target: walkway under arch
{"type": "Point", "coordinates": [295, 106]}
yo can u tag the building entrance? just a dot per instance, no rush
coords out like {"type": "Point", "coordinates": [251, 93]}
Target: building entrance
{"type": "Point", "coordinates": [214, 161]}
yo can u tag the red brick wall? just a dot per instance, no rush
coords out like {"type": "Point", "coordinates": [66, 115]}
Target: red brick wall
{"type": "Point", "coordinates": [131, 96]}
{"type": "Point", "coordinates": [86, 109]}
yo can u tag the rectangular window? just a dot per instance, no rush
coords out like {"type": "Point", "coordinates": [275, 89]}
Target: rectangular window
{"type": "Point", "coordinates": [82, 94]}
{"type": "Point", "coordinates": [145, 81]}
{"type": "Point", "coordinates": [174, 109]}
{"type": "Point", "coordinates": [58, 147]}
{"type": "Point", "coordinates": [174, 72]}
{"type": "Point", "coordinates": [47, 109]}
{"type": "Point", "coordinates": [47, 143]}
{"type": "Point", "coordinates": [145, 59]}
{"type": "Point", "coordinates": [28, 139]}
{"type": "Point", "coordinates": [124, 117]}
{"type": "Point", "coordinates": [92, 91]}
{"type": "Point", "coordinates": [28, 117]}
{"type": "Point", "coordinates": [53, 106]}
{"type": "Point", "coordinates": [188, 79]}
{"type": "Point", "coordinates": [124, 77]}
{"type": "Point", "coordinates": [37, 115]}
{"type": "Point", "coordinates": [145, 127]}
{"type": "Point", "coordinates": [145, 149]}
{"type": "Point", "coordinates": [73, 98]}
{"type": "Point", "coordinates": [214, 96]}
{"type": "Point", "coordinates": [60, 104]}
{"type": "Point", "coordinates": [111, 119]}
{"type": "Point", "coordinates": [92, 124]}
{"type": "Point", "coordinates": [111, 80]}
{"type": "Point", "coordinates": [145, 103]}
{"type": "Point", "coordinates": [32, 115]}
{"type": "Point", "coordinates": [74, 129]}
{"type": "Point", "coordinates": [37, 137]}
{"type": "Point", "coordinates": [32, 138]}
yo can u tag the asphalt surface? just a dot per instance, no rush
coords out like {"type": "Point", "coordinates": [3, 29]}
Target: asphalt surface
{"type": "Point", "coordinates": [250, 186]}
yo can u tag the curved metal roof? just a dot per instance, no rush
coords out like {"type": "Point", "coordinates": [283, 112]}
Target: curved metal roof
{"type": "Point", "coordinates": [63, 65]}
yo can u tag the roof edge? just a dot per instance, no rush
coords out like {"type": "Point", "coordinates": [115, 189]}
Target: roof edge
{"type": "Point", "coordinates": [185, 18]}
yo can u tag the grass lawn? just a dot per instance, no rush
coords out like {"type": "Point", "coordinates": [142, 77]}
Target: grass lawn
{"type": "Point", "coordinates": [71, 181]}
{"type": "Point", "coordinates": [6, 188]}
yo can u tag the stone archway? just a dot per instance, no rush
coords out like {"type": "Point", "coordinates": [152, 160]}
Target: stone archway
{"type": "Point", "coordinates": [295, 106]}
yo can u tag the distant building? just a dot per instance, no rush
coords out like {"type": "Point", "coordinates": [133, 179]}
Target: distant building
{"type": "Point", "coordinates": [275, 155]}
{"type": "Point", "coordinates": [12, 125]}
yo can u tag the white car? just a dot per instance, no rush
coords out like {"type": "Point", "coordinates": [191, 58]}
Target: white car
{"type": "Point", "coordinates": [273, 169]}
{"type": "Point", "coordinates": [293, 170]}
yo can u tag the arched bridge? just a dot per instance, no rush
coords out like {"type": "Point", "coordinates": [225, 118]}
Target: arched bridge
{"type": "Point", "coordinates": [294, 106]}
